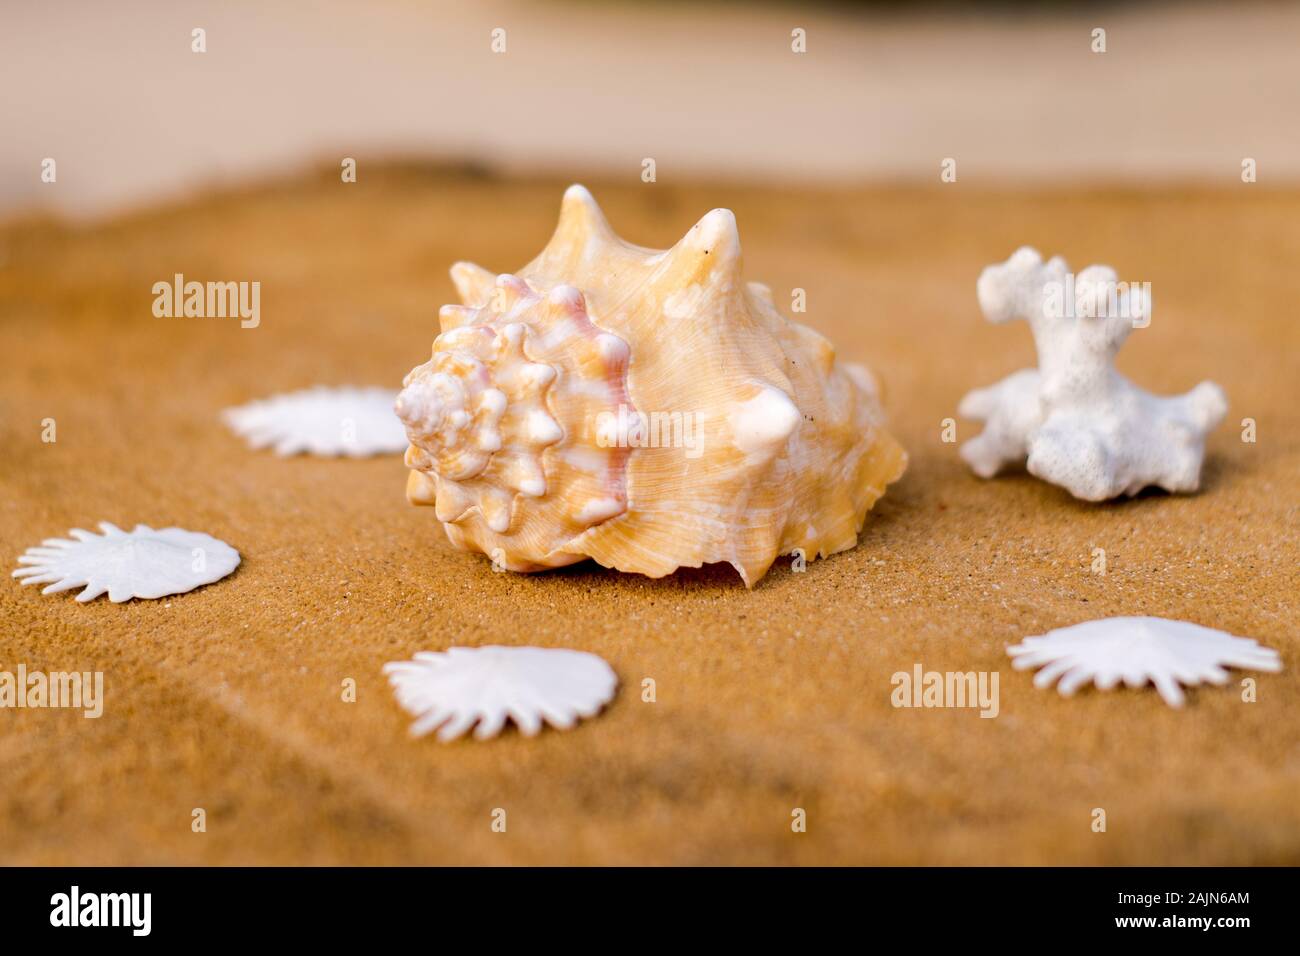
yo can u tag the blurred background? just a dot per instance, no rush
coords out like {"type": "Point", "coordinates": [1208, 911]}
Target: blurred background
{"type": "Point", "coordinates": [885, 92]}
{"type": "Point", "coordinates": [225, 165]}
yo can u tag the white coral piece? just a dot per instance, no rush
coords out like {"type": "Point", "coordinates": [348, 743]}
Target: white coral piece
{"type": "Point", "coordinates": [323, 421]}
{"type": "Point", "coordinates": [1137, 650]}
{"type": "Point", "coordinates": [1075, 421]}
{"type": "Point", "coordinates": [453, 691]}
{"type": "Point", "coordinates": [141, 563]}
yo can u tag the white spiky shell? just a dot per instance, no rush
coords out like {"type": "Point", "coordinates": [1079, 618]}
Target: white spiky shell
{"type": "Point", "coordinates": [322, 421]}
{"type": "Point", "coordinates": [519, 424]}
{"type": "Point", "coordinates": [141, 563]}
{"type": "Point", "coordinates": [1136, 650]}
{"type": "Point", "coordinates": [484, 687]}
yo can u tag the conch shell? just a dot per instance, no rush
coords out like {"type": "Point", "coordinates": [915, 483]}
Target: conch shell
{"type": "Point", "coordinates": [649, 410]}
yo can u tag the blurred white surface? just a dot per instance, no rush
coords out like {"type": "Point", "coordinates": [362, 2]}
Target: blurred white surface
{"type": "Point", "coordinates": [114, 94]}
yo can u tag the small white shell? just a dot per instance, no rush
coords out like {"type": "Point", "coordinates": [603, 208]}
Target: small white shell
{"type": "Point", "coordinates": [322, 421]}
{"type": "Point", "coordinates": [142, 563]}
{"type": "Point", "coordinates": [488, 685]}
{"type": "Point", "coordinates": [1137, 650]}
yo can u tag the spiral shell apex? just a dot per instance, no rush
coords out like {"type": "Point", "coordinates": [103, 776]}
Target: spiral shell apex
{"type": "Point", "coordinates": [646, 409]}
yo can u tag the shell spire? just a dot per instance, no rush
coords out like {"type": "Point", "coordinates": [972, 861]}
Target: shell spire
{"type": "Point", "coordinates": [647, 409]}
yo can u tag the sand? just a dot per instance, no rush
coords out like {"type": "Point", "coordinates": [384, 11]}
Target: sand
{"type": "Point", "coordinates": [229, 698]}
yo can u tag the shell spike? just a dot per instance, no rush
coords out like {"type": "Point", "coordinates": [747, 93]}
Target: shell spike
{"type": "Point", "coordinates": [566, 300]}
{"type": "Point", "coordinates": [582, 228]}
{"type": "Point", "coordinates": [473, 283]}
{"type": "Point", "coordinates": [753, 571]}
{"type": "Point", "coordinates": [454, 316]}
{"type": "Point", "coordinates": [714, 235]}
{"type": "Point", "coordinates": [707, 260]}
{"type": "Point", "coordinates": [580, 212]}
{"type": "Point", "coordinates": [509, 291]}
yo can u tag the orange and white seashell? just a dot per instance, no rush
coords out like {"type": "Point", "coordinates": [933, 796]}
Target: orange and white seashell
{"type": "Point", "coordinates": [646, 409]}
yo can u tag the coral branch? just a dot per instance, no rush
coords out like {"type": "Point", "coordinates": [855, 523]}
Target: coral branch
{"type": "Point", "coordinates": [1075, 421]}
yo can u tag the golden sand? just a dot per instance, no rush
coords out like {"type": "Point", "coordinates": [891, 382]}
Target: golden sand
{"type": "Point", "coordinates": [229, 698]}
